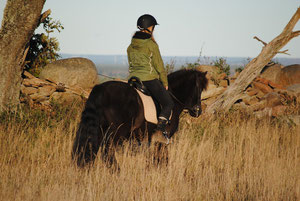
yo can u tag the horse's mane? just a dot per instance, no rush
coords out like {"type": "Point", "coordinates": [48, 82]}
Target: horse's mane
{"type": "Point", "coordinates": [178, 77]}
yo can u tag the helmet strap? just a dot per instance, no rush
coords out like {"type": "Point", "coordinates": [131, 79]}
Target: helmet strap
{"type": "Point", "coordinates": [148, 31]}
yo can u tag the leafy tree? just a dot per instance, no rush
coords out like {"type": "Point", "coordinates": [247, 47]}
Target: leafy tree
{"type": "Point", "coordinates": [42, 47]}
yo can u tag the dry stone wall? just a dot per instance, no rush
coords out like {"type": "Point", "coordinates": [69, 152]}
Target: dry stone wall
{"type": "Point", "coordinates": [40, 92]}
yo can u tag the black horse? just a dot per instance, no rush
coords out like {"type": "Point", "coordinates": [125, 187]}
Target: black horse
{"type": "Point", "coordinates": [114, 113]}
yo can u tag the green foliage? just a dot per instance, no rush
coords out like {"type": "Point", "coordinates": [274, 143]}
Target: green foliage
{"type": "Point", "coordinates": [222, 65]}
{"type": "Point", "coordinates": [190, 65]}
{"type": "Point", "coordinates": [42, 47]}
{"type": "Point", "coordinates": [170, 67]}
{"type": "Point", "coordinates": [239, 69]}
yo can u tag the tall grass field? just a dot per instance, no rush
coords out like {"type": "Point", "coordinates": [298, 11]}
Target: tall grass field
{"type": "Point", "coordinates": [234, 156]}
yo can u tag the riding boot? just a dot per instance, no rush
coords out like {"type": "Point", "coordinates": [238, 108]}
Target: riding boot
{"type": "Point", "coordinates": [161, 126]}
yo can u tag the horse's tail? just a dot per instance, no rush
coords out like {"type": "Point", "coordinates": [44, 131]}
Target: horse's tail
{"type": "Point", "coordinates": [90, 134]}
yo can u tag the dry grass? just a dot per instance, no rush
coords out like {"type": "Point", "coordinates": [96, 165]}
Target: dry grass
{"type": "Point", "coordinates": [235, 157]}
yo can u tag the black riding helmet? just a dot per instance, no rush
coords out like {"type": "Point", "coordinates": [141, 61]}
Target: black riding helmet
{"type": "Point", "coordinates": [146, 21]}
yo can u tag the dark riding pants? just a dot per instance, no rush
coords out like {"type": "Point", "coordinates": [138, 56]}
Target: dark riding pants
{"type": "Point", "coordinates": [162, 96]}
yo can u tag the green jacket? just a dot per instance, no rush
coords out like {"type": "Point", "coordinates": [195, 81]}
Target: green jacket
{"type": "Point", "coordinates": [145, 61]}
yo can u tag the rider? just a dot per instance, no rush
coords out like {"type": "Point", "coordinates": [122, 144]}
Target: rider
{"type": "Point", "coordinates": [145, 62]}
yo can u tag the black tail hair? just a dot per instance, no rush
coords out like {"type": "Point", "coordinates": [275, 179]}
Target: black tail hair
{"type": "Point", "coordinates": [89, 135]}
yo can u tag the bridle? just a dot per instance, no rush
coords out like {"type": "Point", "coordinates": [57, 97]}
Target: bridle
{"type": "Point", "coordinates": [197, 106]}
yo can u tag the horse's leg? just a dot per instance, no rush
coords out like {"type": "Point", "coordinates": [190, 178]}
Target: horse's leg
{"type": "Point", "coordinates": [116, 138]}
{"type": "Point", "coordinates": [108, 156]}
{"type": "Point", "coordinates": [159, 154]}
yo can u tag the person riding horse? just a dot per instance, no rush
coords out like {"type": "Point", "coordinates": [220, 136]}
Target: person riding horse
{"type": "Point", "coordinates": [145, 63]}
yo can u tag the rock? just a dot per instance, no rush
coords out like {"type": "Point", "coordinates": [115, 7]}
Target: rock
{"type": "Point", "coordinates": [250, 100]}
{"type": "Point", "coordinates": [211, 85]}
{"type": "Point", "coordinates": [38, 97]}
{"type": "Point", "coordinates": [240, 106]}
{"type": "Point", "coordinates": [272, 99]}
{"type": "Point", "coordinates": [33, 82]}
{"type": "Point", "coordinates": [262, 87]}
{"type": "Point", "coordinates": [28, 75]}
{"type": "Point", "coordinates": [260, 94]}
{"type": "Point", "coordinates": [46, 90]}
{"type": "Point", "coordinates": [222, 76]}
{"type": "Point", "coordinates": [72, 72]}
{"type": "Point", "coordinates": [212, 71]}
{"type": "Point", "coordinates": [65, 97]}
{"type": "Point", "coordinates": [279, 110]}
{"type": "Point", "coordinates": [252, 91]}
{"type": "Point", "coordinates": [294, 88]}
{"type": "Point", "coordinates": [270, 72]}
{"type": "Point", "coordinates": [223, 83]}
{"type": "Point", "coordinates": [289, 75]}
{"type": "Point", "coordinates": [28, 90]}
{"type": "Point", "coordinates": [261, 105]}
{"type": "Point", "coordinates": [212, 93]}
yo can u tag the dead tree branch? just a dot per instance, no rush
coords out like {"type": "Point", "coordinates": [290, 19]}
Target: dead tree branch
{"type": "Point", "coordinates": [255, 37]}
{"type": "Point", "coordinates": [253, 69]}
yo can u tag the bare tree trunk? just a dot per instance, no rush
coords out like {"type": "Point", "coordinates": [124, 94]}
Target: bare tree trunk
{"type": "Point", "coordinates": [253, 69]}
{"type": "Point", "coordinates": [20, 19]}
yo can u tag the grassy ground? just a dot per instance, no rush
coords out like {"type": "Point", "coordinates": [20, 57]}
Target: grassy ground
{"type": "Point", "coordinates": [233, 157]}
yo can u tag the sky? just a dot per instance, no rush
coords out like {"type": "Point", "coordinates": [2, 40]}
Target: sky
{"type": "Point", "coordinates": [223, 28]}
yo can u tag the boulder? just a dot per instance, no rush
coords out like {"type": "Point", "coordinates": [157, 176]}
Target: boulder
{"type": "Point", "coordinates": [289, 75]}
{"type": "Point", "coordinates": [270, 72]}
{"type": "Point", "coordinates": [223, 83]}
{"type": "Point", "coordinates": [272, 99]}
{"type": "Point", "coordinates": [46, 90]}
{"type": "Point", "coordinates": [279, 110]}
{"type": "Point", "coordinates": [294, 88]}
{"type": "Point", "coordinates": [252, 91]}
{"type": "Point", "coordinates": [33, 82]}
{"type": "Point", "coordinates": [262, 87]}
{"type": "Point", "coordinates": [72, 72]}
{"type": "Point", "coordinates": [212, 71]}
{"type": "Point", "coordinates": [28, 90]}
{"type": "Point", "coordinates": [250, 100]}
{"type": "Point", "coordinates": [37, 98]}
{"type": "Point", "coordinates": [65, 97]}
{"type": "Point", "coordinates": [211, 85]}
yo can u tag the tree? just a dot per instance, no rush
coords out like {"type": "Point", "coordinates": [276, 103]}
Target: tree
{"type": "Point", "coordinates": [20, 19]}
{"type": "Point", "coordinates": [253, 69]}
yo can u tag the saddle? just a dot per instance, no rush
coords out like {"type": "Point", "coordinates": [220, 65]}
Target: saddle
{"type": "Point", "coordinates": [151, 108]}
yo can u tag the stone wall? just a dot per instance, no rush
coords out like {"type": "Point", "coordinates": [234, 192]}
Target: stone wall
{"type": "Point", "coordinates": [41, 92]}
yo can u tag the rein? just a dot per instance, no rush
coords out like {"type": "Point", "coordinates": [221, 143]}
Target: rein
{"type": "Point", "coordinates": [176, 98]}
{"type": "Point", "coordinates": [189, 108]}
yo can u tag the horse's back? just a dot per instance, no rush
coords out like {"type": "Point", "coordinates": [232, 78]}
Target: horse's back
{"type": "Point", "coordinates": [118, 101]}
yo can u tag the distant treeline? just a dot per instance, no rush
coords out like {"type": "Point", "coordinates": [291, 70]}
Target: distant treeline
{"type": "Point", "coordinates": [117, 65]}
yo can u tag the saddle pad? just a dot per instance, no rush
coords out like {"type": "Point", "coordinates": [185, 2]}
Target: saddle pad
{"type": "Point", "coordinates": [149, 108]}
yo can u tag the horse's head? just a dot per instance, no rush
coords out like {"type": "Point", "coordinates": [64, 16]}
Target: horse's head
{"type": "Point", "coordinates": [187, 86]}
{"type": "Point", "coordinates": [193, 104]}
